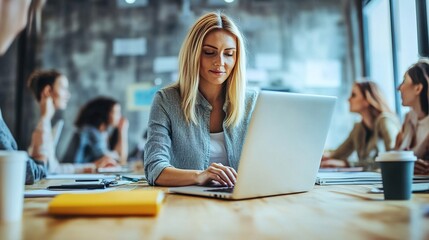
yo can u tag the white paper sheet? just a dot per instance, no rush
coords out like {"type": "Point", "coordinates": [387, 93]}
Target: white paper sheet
{"type": "Point", "coordinates": [49, 193]}
{"type": "Point", "coordinates": [79, 176]}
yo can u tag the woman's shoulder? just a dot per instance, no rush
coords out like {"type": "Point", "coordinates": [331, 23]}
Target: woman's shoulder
{"type": "Point", "coordinates": [168, 94]}
{"type": "Point", "coordinates": [89, 132]}
{"type": "Point", "coordinates": [387, 118]}
{"type": "Point", "coordinates": [251, 96]}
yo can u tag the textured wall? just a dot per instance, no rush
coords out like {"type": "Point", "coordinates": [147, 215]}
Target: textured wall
{"type": "Point", "coordinates": [77, 39]}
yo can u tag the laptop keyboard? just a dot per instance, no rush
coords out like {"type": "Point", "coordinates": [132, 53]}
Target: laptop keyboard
{"type": "Point", "coordinates": [222, 189]}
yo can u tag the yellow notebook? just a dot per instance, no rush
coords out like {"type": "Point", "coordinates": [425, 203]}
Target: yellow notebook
{"type": "Point", "coordinates": [114, 203]}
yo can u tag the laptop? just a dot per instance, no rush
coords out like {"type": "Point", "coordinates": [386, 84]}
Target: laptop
{"type": "Point", "coordinates": [282, 150]}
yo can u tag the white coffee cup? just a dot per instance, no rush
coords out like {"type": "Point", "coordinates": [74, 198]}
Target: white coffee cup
{"type": "Point", "coordinates": [396, 156]}
{"type": "Point", "coordinates": [12, 181]}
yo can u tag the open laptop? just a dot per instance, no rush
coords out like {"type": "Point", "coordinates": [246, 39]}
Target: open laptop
{"type": "Point", "coordinates": [282, 150]}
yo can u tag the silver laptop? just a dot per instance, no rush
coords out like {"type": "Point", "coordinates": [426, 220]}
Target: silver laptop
{"type": "Point", "coordinates": [282, 150]}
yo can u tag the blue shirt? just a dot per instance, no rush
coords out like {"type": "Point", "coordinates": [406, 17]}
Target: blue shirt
{"type": "Point", "coordinates": [35, 170]}
{"type": "Point", "coordinates": [88, 144]}
{"type": "Point", "coordinates": [173, 142]}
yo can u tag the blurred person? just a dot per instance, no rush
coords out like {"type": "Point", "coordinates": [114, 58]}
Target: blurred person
{"type": "Point", "coordinates": [90, 143]}
{"type": "Point", "coordinates": [51, 90]}
{"type": "Point", "coordinates": [414, 134]}
{"type": "Point", "coordinates": [375, 133]}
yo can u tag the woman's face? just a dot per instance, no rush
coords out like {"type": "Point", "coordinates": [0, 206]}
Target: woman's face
{"type": "Point", "coordinates": [115, 115]}
{"type": "Point", "coordinates": [60, 93]}
{"type": "Point", "coordinates": [410, 92]}
{"type": "Point", "coordinates": [218, 57]}
{"type": "Point", "coordinates": [357, 101]}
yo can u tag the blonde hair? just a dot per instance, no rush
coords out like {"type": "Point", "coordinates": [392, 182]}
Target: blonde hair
{"type": "Point", "coordinates": [372, 93]}
{"type": "Point", "coordinates": [189, 68]}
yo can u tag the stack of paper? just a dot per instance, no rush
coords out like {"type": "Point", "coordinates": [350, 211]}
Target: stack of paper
{"type": "Point", "coordinates": [363, 178]}
{"type": "Point", "coordinates": [139, 202]}
{"type": "Point", "coordinates": [421, 179]}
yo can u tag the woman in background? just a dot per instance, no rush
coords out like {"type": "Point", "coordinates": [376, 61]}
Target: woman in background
{"type": "Point", "coordinates": [51, 90]}
{"type": "Point", "coordinates": [90, 143]}
{"type": "Point", "coordinates": [414, 134]}
{"type": "Point", "coordinates": [375, 133]}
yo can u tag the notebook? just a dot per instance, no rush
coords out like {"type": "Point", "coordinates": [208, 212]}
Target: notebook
{"type": "Point", "coordinates": [348, 178]}
{"type": "Point", "coordinates": [114, 203]}
{"type": "Point", "coordinates": [283, 147]}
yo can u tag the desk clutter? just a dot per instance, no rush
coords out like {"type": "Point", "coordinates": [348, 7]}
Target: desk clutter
{"type": "Point", "coordinates": [357, 178]}
{"type": "Point", "coordinates": [84, 183]}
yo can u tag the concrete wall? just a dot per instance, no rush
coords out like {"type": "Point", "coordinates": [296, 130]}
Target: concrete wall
{"type": "Point", "coordinates": [77, 39]}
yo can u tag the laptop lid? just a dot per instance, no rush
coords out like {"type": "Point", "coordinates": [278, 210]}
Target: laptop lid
{"type": "Point", "coordinates": [283, 146]}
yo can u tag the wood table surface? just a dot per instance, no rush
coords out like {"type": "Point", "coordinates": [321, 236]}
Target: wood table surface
{"type": "Point", "coordinates": [326, 212]}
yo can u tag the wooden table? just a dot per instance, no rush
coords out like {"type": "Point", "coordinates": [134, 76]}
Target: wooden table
{"type": "Point", "coordinates": [326, 212]}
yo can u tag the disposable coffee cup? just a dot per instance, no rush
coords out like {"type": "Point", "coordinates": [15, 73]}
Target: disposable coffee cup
{"type": "Point", "coordinates": [12, 180]}
{"type": "Point", "coordinates": [397, 174]}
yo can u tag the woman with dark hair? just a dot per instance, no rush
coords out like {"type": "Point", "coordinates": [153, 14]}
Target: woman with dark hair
{"type": "Point", "coordinates": [90, 144]}
{"type": "Point", "coordinates": [375, 133]}
{"type": "Point", "coordinates": [414, 134]}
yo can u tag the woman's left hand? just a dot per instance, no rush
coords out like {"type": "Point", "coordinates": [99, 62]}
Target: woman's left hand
{"type": "Point", "coordinates": [123, 124]}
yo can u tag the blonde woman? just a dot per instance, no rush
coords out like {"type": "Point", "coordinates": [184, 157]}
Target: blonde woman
{"type": "Point", "coordinates": [375, 133]}
{"type": "Point", "coordinates": [197, 126]}
{"type": "Point", "coordinates": [415, 130]}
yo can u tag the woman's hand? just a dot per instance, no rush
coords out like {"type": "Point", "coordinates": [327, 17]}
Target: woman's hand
{"type": "Point", "coordinates": [333, 163]}
{"type": "Point", "coordinates": [217, 172]}
{"type": "Point", "coordinates": [47, 108]}
{"type": "Point", "coordinates": [123, 125]}
{"type": "Point", "coordinates": [421, 167]}
{"type": "Point", "coordinates": [105, 161]}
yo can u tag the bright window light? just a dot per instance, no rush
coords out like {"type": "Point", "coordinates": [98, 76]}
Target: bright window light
{"type": "Point", "coordinates": [130, 1]}
{"type": "Point", "coordinates": [229, 1]}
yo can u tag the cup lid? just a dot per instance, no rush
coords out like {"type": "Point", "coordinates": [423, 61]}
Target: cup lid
{"type": "Point", "coordinates": [7, 155]}
{"type": "Point", "coordinates": [396, 156]}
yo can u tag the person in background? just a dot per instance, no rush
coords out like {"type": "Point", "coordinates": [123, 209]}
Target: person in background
{"type": "Point", "coordinates": [90, 144]}
{"type": "Point", "coordinates": [197, 126]}
{"type": "Point", "coordinates": [414, 134]}
{"type": "Point", "coordinates": [375, 133]}
{"type": "Point", "coordinates": [14, 18]}
{"type": "Point", "coordinates": [51, 90]}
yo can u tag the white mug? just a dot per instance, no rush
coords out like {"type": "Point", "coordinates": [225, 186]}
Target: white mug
{"type": "Point", "coordinates": [12, 181]}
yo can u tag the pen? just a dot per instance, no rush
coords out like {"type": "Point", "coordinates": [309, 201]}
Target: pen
{"type": "Point", "coordinates": [77, 186]}
{"type": "Point", "coordinates": [87, 180]}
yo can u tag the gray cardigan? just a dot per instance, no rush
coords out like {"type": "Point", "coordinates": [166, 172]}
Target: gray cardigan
{"type": "Point", "coordinates": [172, 142]}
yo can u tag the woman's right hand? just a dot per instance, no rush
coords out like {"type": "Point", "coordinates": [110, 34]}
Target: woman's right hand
{"type": "Point", "coordinates": [421, 167]}
{"type": "Point", "coordinates": [333, 163]}
{"type": "Point", "coordinates": [47, 109]}
{"type": "Point", "coordinates": [217, 172]}
{"type": "Point", "coordinates": [123, 125]}
{"type": "Point", "coordinates": [105, 161]}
